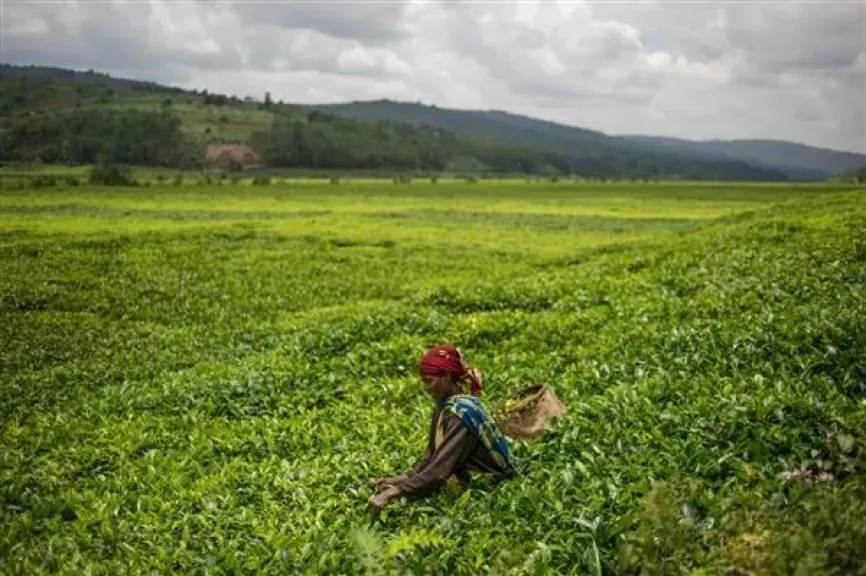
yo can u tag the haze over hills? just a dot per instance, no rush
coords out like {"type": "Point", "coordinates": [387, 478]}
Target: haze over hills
{"type": "Point", "coordinates": [798, 160]}
{"type": "Point", "coordinates": [380, 134]}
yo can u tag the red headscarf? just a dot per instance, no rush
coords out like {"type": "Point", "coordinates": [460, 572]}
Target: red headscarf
{"type": "Point", "coordinates": [441, 360]}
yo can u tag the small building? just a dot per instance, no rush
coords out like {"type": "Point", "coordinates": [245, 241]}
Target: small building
{"type": "Point", "coordinates": [233, 157]}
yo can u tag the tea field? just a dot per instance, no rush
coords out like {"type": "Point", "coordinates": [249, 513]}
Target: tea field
{"type": "Point", "coordinates": [202, 380]}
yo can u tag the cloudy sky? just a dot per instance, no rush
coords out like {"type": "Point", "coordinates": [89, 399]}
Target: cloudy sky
{"type": "Point", "coordinates": [716, 69]}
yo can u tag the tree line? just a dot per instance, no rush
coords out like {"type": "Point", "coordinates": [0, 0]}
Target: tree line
{"type": "Point", "coordinates": [320, 140]}
{"type": "Point", "coordinates": [132, 137]}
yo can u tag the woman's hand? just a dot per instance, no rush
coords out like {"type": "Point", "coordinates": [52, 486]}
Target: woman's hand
{"type": "Point", "coordinates": [381, 499]}
{"type": "Point", "coordinates": [380, 483]}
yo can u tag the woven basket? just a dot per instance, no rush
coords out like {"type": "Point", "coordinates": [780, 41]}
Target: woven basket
{"type": "Point", "coordinates": [525, 414]}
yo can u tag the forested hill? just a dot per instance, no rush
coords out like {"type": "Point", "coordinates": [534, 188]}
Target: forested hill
{"type": "Point", "coordinates": [67, 116]}
{"type": "Point", "coordinates": [86, 76]}
{"type": "Point", "coordinates": [585, 148]}
{"type": "Point", "coordinates": [797, 161]}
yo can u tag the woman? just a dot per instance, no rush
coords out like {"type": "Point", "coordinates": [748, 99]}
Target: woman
{"type": "Point", "coordinates": [463, 436]}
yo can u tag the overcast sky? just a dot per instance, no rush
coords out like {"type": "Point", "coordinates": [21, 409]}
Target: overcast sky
{"type": "Point", "coordinates": [756, 69]}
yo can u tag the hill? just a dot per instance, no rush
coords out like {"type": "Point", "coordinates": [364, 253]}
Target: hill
{"type": "Point", "coordinates": [83, 77]}
{"type": "Point", "coordinates": [83, 118]}
{"type": "Point", "coordinates": [46, 108]}
{"type": "Point", "coordinates": [584, 147]}
{"type": "Point", "coordinates": [797, 160]}
{"type": "Point", "coordinates": [858, 175]}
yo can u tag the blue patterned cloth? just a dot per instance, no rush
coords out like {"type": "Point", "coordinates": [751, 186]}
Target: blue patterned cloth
{"type": "Point", "coordinates": [475, 417]}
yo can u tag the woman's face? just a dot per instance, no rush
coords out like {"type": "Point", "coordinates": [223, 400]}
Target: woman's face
{"type": "Point", "coordinates": [439, 387]}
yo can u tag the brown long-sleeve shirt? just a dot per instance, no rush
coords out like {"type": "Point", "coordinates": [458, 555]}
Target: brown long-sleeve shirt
{"type": "Point", "coordinates": [460, 452]}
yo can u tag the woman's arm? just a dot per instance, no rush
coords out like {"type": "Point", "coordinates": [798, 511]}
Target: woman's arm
{"type": "Point", "coordinates": [422, 462]}
{"type": "Point", "coordinates": [457, 446]}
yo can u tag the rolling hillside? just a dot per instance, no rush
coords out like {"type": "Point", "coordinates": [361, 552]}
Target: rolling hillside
{"type": "Point", "coordinates": [585, 147]}
{"type": "Point", "coordinates": [82, 118]}
{"type": "Point", "coordinates": [798, 160]}
{"type": "Point", "coordinates": [38, 105]}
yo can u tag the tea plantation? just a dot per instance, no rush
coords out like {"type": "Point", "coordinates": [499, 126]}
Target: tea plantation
{"type": "Point", "coordinates": [202, 380]}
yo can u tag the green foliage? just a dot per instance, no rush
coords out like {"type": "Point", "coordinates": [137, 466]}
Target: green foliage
{"type": "Point", "coordinates": [203, 380]}
{"type": "Point", "coordinates": [111, 175]}
{"type": "Point", "coordinates": [322, 141]}
{"type": "Point", "coordinates": [98, 136]}
{"type": "Point", "coordinates": [557, 147]}
{"type": "Point", "coordinates": [857, 176]}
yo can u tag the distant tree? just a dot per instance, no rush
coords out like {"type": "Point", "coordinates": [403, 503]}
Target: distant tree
{"type": "Point", "coordinates": [111, 175]}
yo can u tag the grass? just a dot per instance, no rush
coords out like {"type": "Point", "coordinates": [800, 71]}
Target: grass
{"type": "Point", "coordinates": [202, 379]}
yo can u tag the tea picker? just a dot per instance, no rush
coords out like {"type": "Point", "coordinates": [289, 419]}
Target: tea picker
{"type": "Point", "coordinates": [463, 436]}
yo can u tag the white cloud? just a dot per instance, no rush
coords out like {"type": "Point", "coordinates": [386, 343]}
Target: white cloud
{"type": "Point", "coordinates": [716, 69]}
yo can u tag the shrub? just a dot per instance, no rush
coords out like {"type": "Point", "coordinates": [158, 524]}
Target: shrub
{"type": "Point", "coordinates": [403, 179]}
{"type": "Point", "coordinates": [111, 175]}
{"type": "Point", "coordinates": [43, 181]}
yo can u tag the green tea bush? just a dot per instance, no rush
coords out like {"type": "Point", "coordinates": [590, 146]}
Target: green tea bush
{"type": "Point", "coordinates": [214, 398]}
